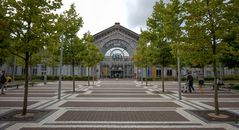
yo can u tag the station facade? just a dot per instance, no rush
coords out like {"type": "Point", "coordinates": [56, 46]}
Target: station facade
{"type": "Point", "coordinates": [118, 44]}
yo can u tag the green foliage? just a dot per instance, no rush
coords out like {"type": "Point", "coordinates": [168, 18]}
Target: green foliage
{"type": "Point", "coordinates": [4, 31]}
{"type": "Point", "coordinates": [164, 27]}
{"type": "Point", "coordinates": [230, 58]}
{"type": "Point", "coordinates": [92, 55]}
{"type": "Point", "coordinates": [72, 22]}
{"type": "Point", "coordinates": [31, 23]}
{"type": "Point", "coordinates": [209, 29]}
{"type": "Point", "coordinates": [74, 51]}
{"type": "Point", "coordinates": [141, 55]}
{"type": "Point", "coordinates": [207, 24]}
{"type": "Point", "coordinates": [51, 54]}
{"type": "Point", "coordinates": [4, 25]}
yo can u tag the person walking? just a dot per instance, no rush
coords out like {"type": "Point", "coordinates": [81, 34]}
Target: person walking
{"type": "Point", "coordinates": [2, 82]}
{"type": "Point", "coordinates": [190, 82]}
{"type": "Point", "coordinates": [8, 81]}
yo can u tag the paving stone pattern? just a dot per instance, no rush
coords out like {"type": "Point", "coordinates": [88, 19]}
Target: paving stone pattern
{"type": "Point", "coordinates": [225, 104]}
{"type": "Point", "coordinates": [119, 104]}
{"type": "Point", "coordinates": [15, 103]}
{"type": "Point", "coordinates": [116, 105]}
{"type": "Point", "coordinates": [121, 116]}
{"type": "Point", "coordinates": [122, 129]}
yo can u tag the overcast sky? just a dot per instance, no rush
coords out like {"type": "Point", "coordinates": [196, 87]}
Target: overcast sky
{"type": "Point", "coordinates": [101, 14]}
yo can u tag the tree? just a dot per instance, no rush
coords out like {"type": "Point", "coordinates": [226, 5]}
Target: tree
{"type": "Point", "coordinates": [141, 56]}
{"type": "Point", "coordinates": [230, 58]}
{"type": "Point", "coordinates": [162, 55]}
{"type": "Point", "coordinates": [72, 22]}
{"type": "Point", "coordinates": [4, 31]}
{"type": "Point", "coordinates": [31, 23]}
{"type": "Point", "coordinates": [92, 56]}
{"type": "Point", "coordinates": [208, 19]}
{"type": "Point", "coordinates": [164, 28]}
{"type": "Point", "coordinates": [4, 24]}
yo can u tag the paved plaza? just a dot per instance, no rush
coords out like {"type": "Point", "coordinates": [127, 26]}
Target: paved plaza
{"type": "Point", "coordinates": [117, 105]}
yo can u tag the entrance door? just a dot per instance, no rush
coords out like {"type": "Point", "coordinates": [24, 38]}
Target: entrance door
{"type": "Point", "coordinates": [116, 74]}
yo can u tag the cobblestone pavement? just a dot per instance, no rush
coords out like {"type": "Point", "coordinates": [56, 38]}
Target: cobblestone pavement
{"type": "Point", "coordinates": [117, 105]}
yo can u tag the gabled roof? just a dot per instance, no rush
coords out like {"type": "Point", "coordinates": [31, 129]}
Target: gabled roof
{"type": "Point", "coordinates": [116, 27]}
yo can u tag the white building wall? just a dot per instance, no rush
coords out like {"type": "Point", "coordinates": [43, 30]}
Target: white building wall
{"type": "Point", "coordinates": [81, 71]}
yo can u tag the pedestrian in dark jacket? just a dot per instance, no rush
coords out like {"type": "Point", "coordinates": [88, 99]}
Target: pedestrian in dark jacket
{"type": "Point", "coordinates": [190, 82]}
{"type": "Point", "coordinates": [2, 82]}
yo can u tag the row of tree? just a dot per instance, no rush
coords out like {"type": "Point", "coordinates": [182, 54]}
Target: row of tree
{"type": "Point", "coordinates": [28, 27]}
{"type": "Point", "coordinates": [200, 32]}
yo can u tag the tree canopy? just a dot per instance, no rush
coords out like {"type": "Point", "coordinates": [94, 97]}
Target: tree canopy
{"type": "Point", "coordinates": [30, 26]}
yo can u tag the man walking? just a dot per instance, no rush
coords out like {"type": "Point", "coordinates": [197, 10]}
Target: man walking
{"type": "Point", "coordinates": [2, 82]}
{"type": "Point", "coordinates": [190, 82]}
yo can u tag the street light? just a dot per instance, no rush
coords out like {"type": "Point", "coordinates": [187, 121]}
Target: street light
{"type": "Point", "coordinates": [147, 45]}
{"type": "Point", "coordinates": [179, 77]}
{"type": "Point", "coordinates": [60, 73]}
{"type": "Point", "coordinates": [44, 71]}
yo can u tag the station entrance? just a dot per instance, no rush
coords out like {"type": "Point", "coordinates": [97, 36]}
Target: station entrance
{"type": "Point", "coordinates": [118, 44]}
{"type": "Point", "coordinates": [117, 74]}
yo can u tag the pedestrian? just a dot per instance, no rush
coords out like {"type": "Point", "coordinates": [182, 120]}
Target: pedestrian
{"type": "Point", "coordinates": [200, 82]}
{"type": "Point", "coordinates": [9, 80]}
{"type": "Point", "coordinates": [190, 82]}
{"type": "Point", "coordinates": [2, 82]}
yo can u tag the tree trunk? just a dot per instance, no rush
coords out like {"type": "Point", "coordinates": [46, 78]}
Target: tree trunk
{"type": "Point", "coordinates": [142, 81]}
{"type": "Point", "coordinates": [217, 112]}
{"type": "Point", "coordinates": [146, 77]}
{"type": "Point", "coordinates": [162, 73]}
{"type": "Point", "coordinates": [88, 76]}
{"type": "Point", "coordinates": [30, 73]}
{"type": "Point", "coordinates": [93, 75]}
{"type": "Point", "coordinates": [24, 109]}
{"type": "Point", "coordinates": [73, 76]}
{"type": "Point", "coordinates": [179, 78]}
{"type": "Point", "coordinates": [214, 45]}
{"type": "Point", "coordinates": [14, 69]}
{"type": "Point", "coordinates": [45, 75]}
{"type": "Point", "coordinates": [215, 88]}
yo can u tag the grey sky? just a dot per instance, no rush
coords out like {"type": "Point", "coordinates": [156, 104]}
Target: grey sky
{"type": "Point", "coordinates": [101, 14]}
{"type": "Point", "coordinates": [137, 12]}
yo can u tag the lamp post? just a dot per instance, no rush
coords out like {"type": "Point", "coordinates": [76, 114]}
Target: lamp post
{"type": "Point", "coordinates": [60, 73]}
{"type": "Point", "coordinates": [146, 67]}
{"type": "Point", "coordinates": [179, 78]}
{"type": "Point", "coordinates": [44, 71]}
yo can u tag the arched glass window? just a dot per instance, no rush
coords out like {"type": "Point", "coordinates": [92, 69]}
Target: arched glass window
{"type": "Point", "coordinates": [117, 52]}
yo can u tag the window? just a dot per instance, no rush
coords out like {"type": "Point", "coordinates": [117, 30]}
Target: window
{"type": "Point", "coordinates": [169, 72]}
{"type": "Point", "coordinates": [158, 73]}
{"type": "Point", "coordinates": [34, 71]}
